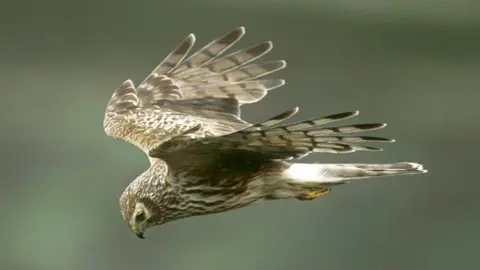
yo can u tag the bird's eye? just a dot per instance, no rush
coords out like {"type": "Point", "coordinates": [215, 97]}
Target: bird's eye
{"type": "Point", "coordinates": [140, 217]}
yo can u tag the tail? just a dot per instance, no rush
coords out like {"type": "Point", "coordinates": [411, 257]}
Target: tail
{"type": "Point", "coordinates": [333, 174]}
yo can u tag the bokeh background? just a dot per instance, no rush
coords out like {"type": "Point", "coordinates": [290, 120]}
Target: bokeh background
{"type": "Point", "coordinates": [413, 64]}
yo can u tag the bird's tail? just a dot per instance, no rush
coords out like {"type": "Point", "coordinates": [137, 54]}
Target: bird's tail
{"type": "Point", "coordinates": [324, 175]}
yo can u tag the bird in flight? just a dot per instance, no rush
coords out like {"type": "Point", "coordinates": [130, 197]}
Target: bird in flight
{"type": "Point", "coordinates": [204, 158]}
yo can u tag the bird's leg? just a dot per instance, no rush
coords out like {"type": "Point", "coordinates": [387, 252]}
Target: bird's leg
{"type": "Point", "coordinates": [313, 194]}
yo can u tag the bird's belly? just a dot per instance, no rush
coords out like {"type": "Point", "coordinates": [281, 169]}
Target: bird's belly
{"type": "Point", "coordinates": [220, 199]}
{"type": "Point", "coordinates": [240, 200]}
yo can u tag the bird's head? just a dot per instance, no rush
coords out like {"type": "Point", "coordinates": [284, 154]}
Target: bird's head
{"type": "Point", "coordinates": [139, 220]}
{"type": "Point", "coordinates": [138, 212]}
{"type": "Point", "coordinates": [149, 201]}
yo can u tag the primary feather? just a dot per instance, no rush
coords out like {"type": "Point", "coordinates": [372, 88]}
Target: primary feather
{"type": "Point", "coordinates": [186, 91]}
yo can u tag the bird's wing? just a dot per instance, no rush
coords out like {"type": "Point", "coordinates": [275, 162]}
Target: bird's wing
{"type": "Point", "coordinates": [266, 141]}
{"type": "Point", "coordinates": [199, 95]}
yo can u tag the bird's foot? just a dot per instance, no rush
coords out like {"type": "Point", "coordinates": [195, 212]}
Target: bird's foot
{"type": "Point", "coordinates": [313, 194]}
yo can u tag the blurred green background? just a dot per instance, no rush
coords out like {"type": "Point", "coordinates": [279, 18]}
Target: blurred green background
{"type": "Point", "coordinates": [413, 64]}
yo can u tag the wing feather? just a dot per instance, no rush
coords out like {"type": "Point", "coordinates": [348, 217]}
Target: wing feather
{"type": "Point", "coordinates": [175, 58]}
{"type": "Point", "coordinates": [124, 98]}
{"type": "Point", "coordinates": [203, 89]}
{"type": "Point", "coordinates": [182, 77]}
{"type": "Point", "coordinates": [249, 72]}
{"type": "Point", "coordinates": [244, 92]}
{"type": "Point", "coordinates": [285, 141]}
{"type": "Point", "coordinates": [212, 50]}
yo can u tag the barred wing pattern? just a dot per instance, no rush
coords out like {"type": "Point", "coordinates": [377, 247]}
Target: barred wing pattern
{"type": "Point", "coordinates": [267, 140]}
{"type": "Point", "coordinates": [198, 95]}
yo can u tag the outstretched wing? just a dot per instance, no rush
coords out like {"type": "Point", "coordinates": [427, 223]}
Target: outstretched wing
{"type": "Point", "coordinates": [267, 141]}
{"type": "Point", "coordinates": [195, 96]}
{"type": "Point", "coordinates": [206, 74]}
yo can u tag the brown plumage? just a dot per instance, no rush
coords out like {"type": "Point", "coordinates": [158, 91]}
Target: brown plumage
{"type": "Point", "coordinates": [204, 158]}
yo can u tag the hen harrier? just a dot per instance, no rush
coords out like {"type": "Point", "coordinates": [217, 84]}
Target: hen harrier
{"type": "Point", "coordinates": [204, 158]}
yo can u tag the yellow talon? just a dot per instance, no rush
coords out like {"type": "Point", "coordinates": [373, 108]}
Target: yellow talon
{"type": "Point", "coordinates": [316, 193]}
{"type": "Point", "coordinates": [310, 195]}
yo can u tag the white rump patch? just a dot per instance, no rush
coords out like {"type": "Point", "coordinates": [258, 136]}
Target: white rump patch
{"type": "Point", "coordinates": [304, 172]}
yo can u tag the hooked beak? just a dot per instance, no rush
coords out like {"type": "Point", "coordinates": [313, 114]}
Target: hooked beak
{"type": "Point", "coordinates": [138, 232]}
{"type": "Point", "coordinates": [140, 235]}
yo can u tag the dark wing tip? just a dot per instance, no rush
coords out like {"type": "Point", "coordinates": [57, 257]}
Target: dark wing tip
{"type": "Point", "coordinates": [376, 139]}
{"type": "Point", "coordinates": [268, 45]}
{"type": "Point", "coordinates": [343, 115]}
{"type": "Point", "coordinates": [232, 36]}
{"type": "Point", "coordinates": [288, 114]}
{"type": "Point", "coordinates": [284, 115]}
{"type": "Point", "coordinates": [239, 30]}
{"type": "Point", "coordinates": [370, 126]}
{"type": "Point", "coordinates": [188, 41]}
{"type": "Point", "coordinates": [371, 148]}
{"type": "Point", "coordinates": [260, 49]}
{"type": "Point", "coordinates": [190, 36]}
